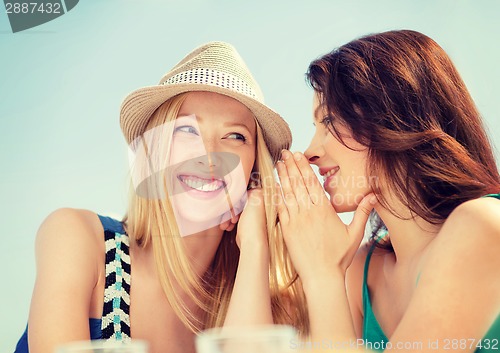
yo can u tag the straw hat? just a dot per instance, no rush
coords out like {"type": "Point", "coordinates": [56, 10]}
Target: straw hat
{"type": "Point", "coordinates": [213, 67]}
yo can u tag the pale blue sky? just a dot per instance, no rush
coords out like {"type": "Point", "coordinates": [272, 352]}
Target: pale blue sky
{"type": "Point", "coordinates": [62, 84]}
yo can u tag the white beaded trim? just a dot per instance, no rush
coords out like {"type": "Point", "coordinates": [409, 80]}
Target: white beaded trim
{"type": "Point", "coordinates": [213, 78]}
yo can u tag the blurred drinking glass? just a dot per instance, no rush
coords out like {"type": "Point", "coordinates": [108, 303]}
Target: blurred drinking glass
{"type": "Point", "coordinates": [104, 346]}
{"type": "Point", "coordinates": [257, 339]}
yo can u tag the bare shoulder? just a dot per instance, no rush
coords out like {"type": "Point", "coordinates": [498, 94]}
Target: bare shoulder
{"type": "Point", "coordinates": [483, 213]}
{"type": "Point", "coordinates": [474, 222]}
{"type": "Point", "coordinates": [470, 240]}
{"type": "Point", "coordinates": [72, 215]}
{"type": "Point", "coordinates": [458, 277]}
{"type": "Point", "coordinates": [69, 228]}
{"type": "Point", "coordinates": [472, 231]}
{"type": "Point", "coordinates": [69, 253]}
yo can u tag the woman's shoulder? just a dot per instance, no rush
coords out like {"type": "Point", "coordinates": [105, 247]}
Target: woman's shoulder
{"type": "Point", "coordinates": [73, 215]}
{"type": "Point", "coordinates": [478, 217]}
{"type": "Point", "coordinates": [472, 229]}
{"type": "Point", "coordinates": [73, 218]}
{"type": "Point", "coordinates": [458, 274]}
{"type": "Point", "coordinates": [71, 229]}
{"type": "Point", "coordinates": [70, 256]}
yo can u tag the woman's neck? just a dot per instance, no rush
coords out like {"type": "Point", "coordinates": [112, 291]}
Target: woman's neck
{"type": "Point", "coordinates": [200, 249]}
{"type": "Point", "coordinates": [409, 235]}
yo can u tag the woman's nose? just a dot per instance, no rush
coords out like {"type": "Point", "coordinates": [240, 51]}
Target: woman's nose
{"type": "Point", "coordinates": [312, 159]}
{"type": "Point", "coordinates": [220, 163]}
{"type": "Point", "coordinates": [312, 153]}
{"type": "Point", "coordinates": [209, 159]}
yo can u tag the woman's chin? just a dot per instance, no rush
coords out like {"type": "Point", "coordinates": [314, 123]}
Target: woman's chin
{"type": "Point", "coordinates": [189, 226]}
{"type": "Point", "coordinates": [343, 205]}
{"type": "Point", "coordinates": [194, 215]}
{"type": "Point", "coordinates": [342, 208]}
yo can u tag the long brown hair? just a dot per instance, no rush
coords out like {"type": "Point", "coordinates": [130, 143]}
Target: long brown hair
{"type": "Point", "coordinates": [401, 96]}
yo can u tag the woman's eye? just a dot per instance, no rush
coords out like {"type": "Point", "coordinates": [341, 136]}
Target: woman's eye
{"type": "Point", "coordinates": [236, 136]}
{"type": "Point", "coordinates": [327, 120]}
{"type": "Point", "coordinates": [186, 129]}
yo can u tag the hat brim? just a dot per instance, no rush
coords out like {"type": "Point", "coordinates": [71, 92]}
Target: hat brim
{"type": "Point", "coordinates": [139, 106]}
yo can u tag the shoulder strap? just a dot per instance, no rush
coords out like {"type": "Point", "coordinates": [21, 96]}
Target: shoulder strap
{"type": "Point", "coordinates": [369, 256]}
{"type": "Point", "coordinates": [115, 323]}
{"type": "Point", "coordinates": [372, 332]}
{"type": "Point", "coordinates": [496, 196]}
{"type": "Point", "coordinates": [367, 263]}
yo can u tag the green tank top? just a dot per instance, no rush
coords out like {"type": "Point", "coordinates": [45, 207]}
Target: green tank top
{"type": "Point", "coordinates": [375, 338]}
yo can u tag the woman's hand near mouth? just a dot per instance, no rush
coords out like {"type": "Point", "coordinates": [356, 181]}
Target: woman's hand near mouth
{"type": "Point", "coordinates": [251, 299]}
{"type": "Point", "coordinates": [252, 225]}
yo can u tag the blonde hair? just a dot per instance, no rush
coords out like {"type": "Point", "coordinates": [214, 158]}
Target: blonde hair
{"type": "Point", "coordinates": [151, 220]}
{"type": "Point", "coordinates": [287, 296]}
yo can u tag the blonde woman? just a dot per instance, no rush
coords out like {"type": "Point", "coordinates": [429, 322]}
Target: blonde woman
{"type": "Point", "coordinates": [177, 263]}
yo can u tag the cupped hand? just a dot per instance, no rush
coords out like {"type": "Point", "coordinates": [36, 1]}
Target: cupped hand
{"type": "Point", "coordinates": [319, 243]}
{"type": "Point", "coordinates": [252, 227]}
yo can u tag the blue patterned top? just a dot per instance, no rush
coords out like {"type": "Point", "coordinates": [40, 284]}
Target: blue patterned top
{"type": "Point", "coordinates": [115, 321]}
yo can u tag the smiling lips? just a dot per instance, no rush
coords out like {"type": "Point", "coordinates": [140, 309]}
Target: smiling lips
{"type": "Point", "coordinates": [202, 184]}
{"type": "Point", "coordinates": [330, 173]}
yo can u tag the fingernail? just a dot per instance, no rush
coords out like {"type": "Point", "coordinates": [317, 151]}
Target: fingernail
{"type": "Point", "coordinates": [297, 156]}
{"type": "Point", "coordinates": [285, 154]}
{"type": "Point", "coordinates": [373, 200]}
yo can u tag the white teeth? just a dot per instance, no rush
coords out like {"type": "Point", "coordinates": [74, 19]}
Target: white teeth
{"type": "Point", "coordinates": [199, 184]}
{"type": "Point", "coordinates": [330, 173]}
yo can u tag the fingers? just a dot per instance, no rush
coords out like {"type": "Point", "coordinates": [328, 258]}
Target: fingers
{"type": "Point", "coordinates": [255, 197]}
{"type": "Point", "coordinates": [300, 185]}
{"type": "Point", "coordinates": [313, 186]}
{"type": "Point", "coordinates": [280, 205]}
{"type": "Point", "coordinates": [358, 224]}
{"type": "Point", "coordinates": [295, 178]}
{"type": "Point", "coordinates": [286, 187]}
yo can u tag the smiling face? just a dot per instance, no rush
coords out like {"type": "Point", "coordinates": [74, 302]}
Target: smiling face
{"type": "Point", "coordinates": [342, 165]}
{"type": "Point", "coordinates": [211, 158]}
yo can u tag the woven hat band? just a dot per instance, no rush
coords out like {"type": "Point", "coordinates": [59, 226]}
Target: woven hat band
{"type": "Point", "coordinates": [211, 77]}
{"type": "Point", "coordinates": [213, 67]}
